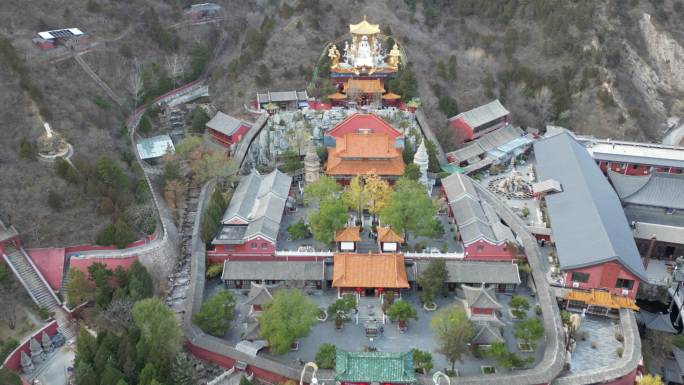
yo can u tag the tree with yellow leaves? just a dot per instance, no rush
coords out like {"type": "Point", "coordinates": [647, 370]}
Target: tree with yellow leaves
{"type": "Point", "coordinates": [379, 192]}
{"type": "Point", "coordinates": [355, 196]}
{"type": "Point", "coordinates": [650, 379]}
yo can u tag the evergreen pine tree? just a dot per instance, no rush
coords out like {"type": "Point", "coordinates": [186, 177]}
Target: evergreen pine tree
{"type": "Point", "coordinates": [182, 372]}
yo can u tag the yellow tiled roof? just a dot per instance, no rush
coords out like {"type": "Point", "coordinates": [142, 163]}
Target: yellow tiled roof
{"type": "Point", "coordinates": [379, 270]}
{"type": "Point", "coordinates": [348, 234]}
{"type": "Point", "coordinates": [601, 298]}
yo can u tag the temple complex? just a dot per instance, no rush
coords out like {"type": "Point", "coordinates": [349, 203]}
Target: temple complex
{"type": "Point", "coordinates": [360, 69]}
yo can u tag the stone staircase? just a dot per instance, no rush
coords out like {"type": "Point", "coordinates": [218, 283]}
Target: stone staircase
{"type": "Point", "coordinates": [370, 309]}
{"type": "Point", "coordinates": [32, 280]}
{"type": "Point", "coordinates": [366, 246]}
{"type": "Point", "coordinates": [68, 330]}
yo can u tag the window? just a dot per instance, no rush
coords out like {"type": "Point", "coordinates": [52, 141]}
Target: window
{"type": "Point", "coordinates": [624, 284]}
{"type": "Point", "coordinates": [635, 166]}
{"type": "Point", "coordinates": [264, 246]}
{"type": "Point", "coordinates": [479, 248]}
{"type": "Point", "coordinates": [580, 277]}
{"type": "Point", "coordinates": [254, 245]}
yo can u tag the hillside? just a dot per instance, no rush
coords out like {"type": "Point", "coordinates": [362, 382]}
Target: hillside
{"type": "Point", "coordinates": [598, 67]}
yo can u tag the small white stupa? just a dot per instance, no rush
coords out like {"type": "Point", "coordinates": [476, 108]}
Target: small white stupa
{"type": "Point", "coordinates": [422, 159]}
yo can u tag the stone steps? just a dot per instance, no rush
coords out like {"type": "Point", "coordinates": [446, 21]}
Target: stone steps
{"type": "Point", "coordinates": [31, 280]}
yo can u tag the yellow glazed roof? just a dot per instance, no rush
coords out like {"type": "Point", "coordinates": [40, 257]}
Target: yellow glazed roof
{"type": "Point", "coordinates": [364, 28]}
{"type": "Point", "coordinates": [601, 298]}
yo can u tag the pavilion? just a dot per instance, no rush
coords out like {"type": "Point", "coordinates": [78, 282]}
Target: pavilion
{"type": "Point", "coordinates": [374, 367]}
{"type": "Point", "coordinates": [369, 274]}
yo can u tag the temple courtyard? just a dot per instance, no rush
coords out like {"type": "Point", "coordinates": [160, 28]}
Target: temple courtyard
{"type": "Point", "coordinates": [437, 244]}
{"type": "Point", "coordinates": [352, 336]}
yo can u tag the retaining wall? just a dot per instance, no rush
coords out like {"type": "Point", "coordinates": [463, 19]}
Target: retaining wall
{"type": "Point", "coordinates": [13, 361]}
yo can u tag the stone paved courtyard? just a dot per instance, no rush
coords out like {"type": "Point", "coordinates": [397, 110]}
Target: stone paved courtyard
{"type": "Point", "coordinates": [352, 336]}
{"type": "Point", "coordinates": [600, 347]}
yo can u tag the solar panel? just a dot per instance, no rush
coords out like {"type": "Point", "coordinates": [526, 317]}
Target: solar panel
{"type": "Point", "coordinates": [62, 33]}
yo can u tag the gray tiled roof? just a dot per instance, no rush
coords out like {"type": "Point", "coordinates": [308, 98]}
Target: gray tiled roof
{"type": "Point", "coordinates": [479, 297]}
{"type": "Point", "coordinates": [468, 152]}
{"type": "Point", "coordinates": [656, 189]}
{"type": "Point", "coordinates": [273, 270]}
{"type": "Point", "coordinates": [587, 220]}
{"type": "Point", "coordinates": [483, 114]}
{"type": "Point", "coordinates": [499, 137]}
{"type": "Point", "coordinates": [258, 294]}
{"type": "Point", "coordinates": [282, 96]}
{"type": "Point", "coordinates": [475, 272]}
{"type": "Point", "coordinates": [475, 230]}
{"type": "Point", "coordinates": [679, 357]}
{"type": "Point", "coordinates": [656, 321]}
{"type": "Point", "coordinates": [473, 223]}
{"type": "Point", "coordinates": [225, 124]}
{"type": "Point", "coordinates": [455, 185]}
{"type": "Point", "coordinates": [486, 334]}
{"type": "Point", "coordinates": [259, 201]}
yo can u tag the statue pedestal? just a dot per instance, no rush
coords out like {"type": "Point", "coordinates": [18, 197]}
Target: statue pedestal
{"type": "Point", "coordinates": [53, 147]}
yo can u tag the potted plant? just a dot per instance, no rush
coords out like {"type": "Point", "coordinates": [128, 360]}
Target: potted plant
{"type": "Point", "coordinates": [339, 320]}
{"type": "Point", "coordinates": [401, 311]}
{"type": "Point", "coordinates": [488, 369]}
{"type": "Point", "coordinates": [519, 307]}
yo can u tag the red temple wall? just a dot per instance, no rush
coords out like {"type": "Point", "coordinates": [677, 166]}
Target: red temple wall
{"type": "Point", "coordinates": [13, 361]}
{"type": "Point", "coordinates": [480, 310]}
{"type": "Point", "coordinates": [482, 250]}
{"type": "Point", "coordinates": [82, 264]}
{"type": "Point", "coordinates": [50, 263]}
{"type": "Point", "coordinates": [604, 276]}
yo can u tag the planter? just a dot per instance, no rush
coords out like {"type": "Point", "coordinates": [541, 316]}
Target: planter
{"type": "Point", "coordinates": [524, 347]}
{"type": "Point", "coordinates": [486, 369]}
{"type": "Point", "coordinates": [338, 323]}
{"type": "Point", "coordinates": [452, 373]}
{"type": "Point", "coordinates": [430, 306]}
{"type": "Point", "coordinates": [402, 326]}
{"type": "Point", "coordinates": [322, 315]}
{"type": "Point", "coordinates": [513, 317]}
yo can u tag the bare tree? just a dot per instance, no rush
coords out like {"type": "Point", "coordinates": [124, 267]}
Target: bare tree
{"type": "Point", "coordinates": [543, 103]}
{"type": "Point", "coordinates": [518, 102]}
{"type": "Point", "coordinates": [118, 314]}
{"type": "Point", "coordinates": [8, 299]}
{"type": "Point", "coordinates": [174, 66]}
{"type": "Point", "coordinates": [136, 81]}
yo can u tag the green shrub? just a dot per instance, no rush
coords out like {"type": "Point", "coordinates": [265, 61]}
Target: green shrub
{"type": "Point", "coordinates": [325, 357]}
{"type": "Point", "coordinates": [214, 270]}
{"type": "Point", "coordinates": [678, 341]}
{"type": "Point", "coordinates": [101, 102]}
{"type": "Point", "coordinates": [199, 119]}
{"type": "Point", "coordinates": [422, 361]}
{"type": "Point", "coordinates": [44, 313]}
{"type": "Point", "coordinates": [27, 149]}
{"type": "Point", "coordinates": [7, 348]}
{"type": "Point", "coordinates": [54, 200]}
{"type": "Point", "coordinates": [145, 125]}
{"type": "Point", "coordinates": [216, 313]}
{"type": "Point", "coordinates": [118, 233]}
{"type": "Point", "coordinates": [299, 230]}
{"type": "Point", "coordinates": [8, 377]}
{"type": "Point", "coordinates": [65, 171]}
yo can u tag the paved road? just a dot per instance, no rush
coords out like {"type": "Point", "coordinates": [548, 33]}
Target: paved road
{"type": "Point", "coordinates": [675, 137]}
{"type": "Point", "coordinates": [54, 372]}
